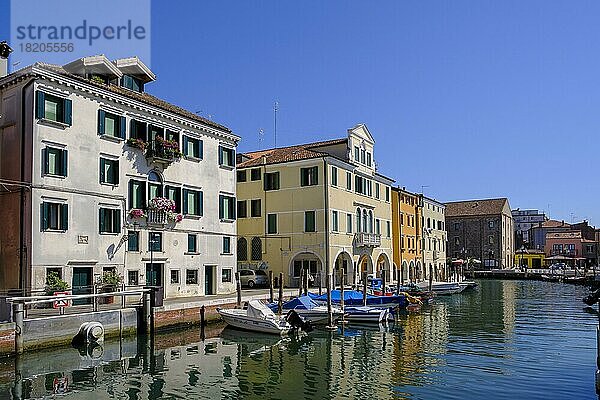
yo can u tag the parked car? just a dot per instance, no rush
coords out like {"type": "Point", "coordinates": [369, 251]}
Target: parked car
{"type": "Point", "coordinates": [251, 278]}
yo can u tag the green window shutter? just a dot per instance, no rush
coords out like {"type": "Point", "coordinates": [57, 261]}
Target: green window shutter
{"type": "Point", "coordinates": [101, 117]}
{"type": "Point", "coordinates": [220, 155]}
{"type": "Point", "coordinates": [64, 157]}
{"type": "Point", "coordinates": [122, 127]}
{"type": "Point", "coordinates": [115, 170]}
{"type": "Point", "coordinates": [132, 129]}
{"type": "Point", "coordinates": [40, 104]}
{"type": "Point", "coordinates": [200, 149]}
{"type": "Point", "coordinates": [102, 171]}
{"type": "Point", "coordinates": [185, 201]}
{"type": "Point", "coordinates": [116, 221]}
{"type": "Point", "coordinates": [130, 194]}
{"type": "Point", "coordinates": [221, 206]}
{"type": "Point", "coordinates": [64, 217]}
{"type": "Point", "coordinates": [303, 177]}
{"type": "Point", "coordinates": [44, 215]}
{"type": "Point", "coordinates": [185, 145]}
{"type": "Point", "coordinates": [45, 164]}
{"type": "Point", "coordinates": [101, 225]}
{"type": "Point", "coordinates": [200, 205]}
{"type": "Point", "coordinates": [67, 112]}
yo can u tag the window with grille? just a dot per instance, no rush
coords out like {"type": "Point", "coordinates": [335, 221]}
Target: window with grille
{"type": "Point", "coordinates": [256, 249]}
{"type": "Point", "coordinates": [242, 249]}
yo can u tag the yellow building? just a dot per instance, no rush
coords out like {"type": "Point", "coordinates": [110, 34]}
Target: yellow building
{"type": "Point", "coordinates": [530, 258]}
{"type": "Point", "coordinates": [306, 205]}
{"type": "Point", "coordinates": [406, 231]}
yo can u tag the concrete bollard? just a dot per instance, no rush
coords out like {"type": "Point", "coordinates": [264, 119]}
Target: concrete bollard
{"type": "Point", "coordinates": [18, 320]}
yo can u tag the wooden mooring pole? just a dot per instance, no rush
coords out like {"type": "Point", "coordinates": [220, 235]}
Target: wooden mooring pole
{"type": "Point", "coordinates": [238, 284]}
{"type": "Point", "coordinates": [364, 276]}
{"type": "Point", "coordinates": [280, 299]}
{"type": "Point", "coordinates": [271, 287]}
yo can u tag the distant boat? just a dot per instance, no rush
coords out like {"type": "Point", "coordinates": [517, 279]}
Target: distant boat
{"type": "Point", "coordinates": [443, 288]}
{"type": "Point", "coordinates": [366, 314]}
{"type": "Point", "coordinates": [309, 310]}
{"type": "Point", "coordinates": [257, 318]}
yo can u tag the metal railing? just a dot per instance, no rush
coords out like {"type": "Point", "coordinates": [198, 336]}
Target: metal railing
{"type": "Point", "coordinates": [367, 239]}
{"type": "Point", "coordinates": [157, 217]}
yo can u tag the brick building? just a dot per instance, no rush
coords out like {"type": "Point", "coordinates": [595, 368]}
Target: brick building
{"type": "Point", "coordinates": [482, 229]}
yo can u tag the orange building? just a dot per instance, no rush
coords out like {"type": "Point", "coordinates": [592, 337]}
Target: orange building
{"type": "Point", "coordinates": [406, 234]}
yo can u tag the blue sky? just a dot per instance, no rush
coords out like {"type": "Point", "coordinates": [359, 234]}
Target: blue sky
{"type": "Point", "coordinates": [470, 99]}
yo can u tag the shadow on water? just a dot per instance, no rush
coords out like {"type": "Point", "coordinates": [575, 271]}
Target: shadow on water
{"type": "Point", "coordinates": [505, 340]}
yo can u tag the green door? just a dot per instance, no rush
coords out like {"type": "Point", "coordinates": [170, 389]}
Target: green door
{"type": "Point", "coordinates": [82, 283]}
{"type": "Point", "coordinates": [208, 280]}
{"type": "Point", "coordinates": [154, 274]}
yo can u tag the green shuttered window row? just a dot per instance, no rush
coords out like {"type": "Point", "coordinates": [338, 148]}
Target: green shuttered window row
{"type": "Point", "coordinates": [110, 220]}
{"type": "Point", "coordinates": [54, 161]}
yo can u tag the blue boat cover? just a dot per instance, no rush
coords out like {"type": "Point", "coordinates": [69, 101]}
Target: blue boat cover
{"type": "Point", "coordinates": [299, 303]}
{"type": "Point", "coordinates": [353, 297]}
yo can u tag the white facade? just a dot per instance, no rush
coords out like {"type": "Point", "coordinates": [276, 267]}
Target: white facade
{"type": "Point", "coordinates": [80, 246]}
{"type": "Point", "coordinates": [434, 238]}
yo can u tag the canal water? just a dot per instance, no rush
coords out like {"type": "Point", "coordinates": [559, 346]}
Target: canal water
{"type": "Point", "coordinates": [504, 340]}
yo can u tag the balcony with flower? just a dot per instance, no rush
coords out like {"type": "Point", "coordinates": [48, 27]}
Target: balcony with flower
{"type": "Point", "coordinates": [161, 211]}
{"type": "Point", "coordinates": [163, 151]}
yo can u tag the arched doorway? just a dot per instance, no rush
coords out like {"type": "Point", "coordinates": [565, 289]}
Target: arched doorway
{"type": "Point", "coordinates": [404, 271]}
{"type": "Point", "coordinates": [365, 264]}
{"type": "Point", "coordinates": [344, 260]}
{"type": "Point", "coordinates": [311, 263]}
{"type": "Point", "coordinates": [419, 272]}
{"type": "Point", "coordinates": [383, 263]}
{"type": "Point", "coordinates": [411, 271]}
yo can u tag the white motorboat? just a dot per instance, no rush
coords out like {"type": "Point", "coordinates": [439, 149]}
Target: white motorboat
{"type": "Point", "coordinates": [443, 288]}
{"type": "Point", "coordinates": [366, 314]}
{"type": "Point", "coordinates": [257, 317]}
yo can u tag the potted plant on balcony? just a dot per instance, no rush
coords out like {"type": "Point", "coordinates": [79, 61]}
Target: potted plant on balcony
{"type": "Point", "coordinates": [136, 213]}
{"type": "Point", "coordinates": [137, 143]}
{"type": "Point", "coordinates": [167, 148]}
{"type": "Point", "coordinates": [110, 283]}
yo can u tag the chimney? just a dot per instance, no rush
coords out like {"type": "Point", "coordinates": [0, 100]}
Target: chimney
{"type": "Point", "coordinates": [5, 50]}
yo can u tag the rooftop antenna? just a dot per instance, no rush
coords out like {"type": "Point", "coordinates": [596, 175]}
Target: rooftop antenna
{"type": "Point", "coordinates": [275, 109]}
{"type": "Point", "coordinates": [423, 187]}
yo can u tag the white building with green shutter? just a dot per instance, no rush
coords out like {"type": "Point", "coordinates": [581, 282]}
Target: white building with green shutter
{"type": "Point", "coordinates": [98, 176]}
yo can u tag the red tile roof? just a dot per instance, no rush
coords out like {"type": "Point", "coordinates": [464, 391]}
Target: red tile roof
{"type": "Point", "coordinates": [289, 153]}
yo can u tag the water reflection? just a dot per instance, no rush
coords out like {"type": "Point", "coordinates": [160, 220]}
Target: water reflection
{"type": "Point", "coordinates": [505, 340]}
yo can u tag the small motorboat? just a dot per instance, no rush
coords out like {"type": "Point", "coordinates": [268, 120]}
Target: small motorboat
{"type": "Point", "coordinates": [257, 317]}
{"type": "Point", "coordinates": [366, 314]}
{"type": "Point", "coordinates": [309, 310]}
{"type": "Point", "coordinates": [443, 288]}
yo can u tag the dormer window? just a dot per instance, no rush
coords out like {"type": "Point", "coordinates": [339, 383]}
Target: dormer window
{"type": "Point", "coordinates": [131, 83]}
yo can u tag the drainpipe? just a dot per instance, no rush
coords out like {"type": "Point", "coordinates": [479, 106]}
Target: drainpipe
{"type": "Point", "coordinates": [22, 249]}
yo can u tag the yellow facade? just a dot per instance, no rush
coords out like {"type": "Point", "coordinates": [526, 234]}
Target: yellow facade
{"type": "Point", "coordinates": [406, 231]}
{"type": "Point", "coordinates": [530, 259]}
{"type": "Point", "coordinates": [278, 236]}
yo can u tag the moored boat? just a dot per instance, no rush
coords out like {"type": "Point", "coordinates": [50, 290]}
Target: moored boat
{"type": "Point", "coordinates": [257, 317]}
{"type": "Point", "coordinates": [309, 310]}
{"type": "Point", "coordinates": [443, 288]}
{"type": "Point", "coordinates": [366, 314]}
{"type": "Point", "coordinates": [355, 298]}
